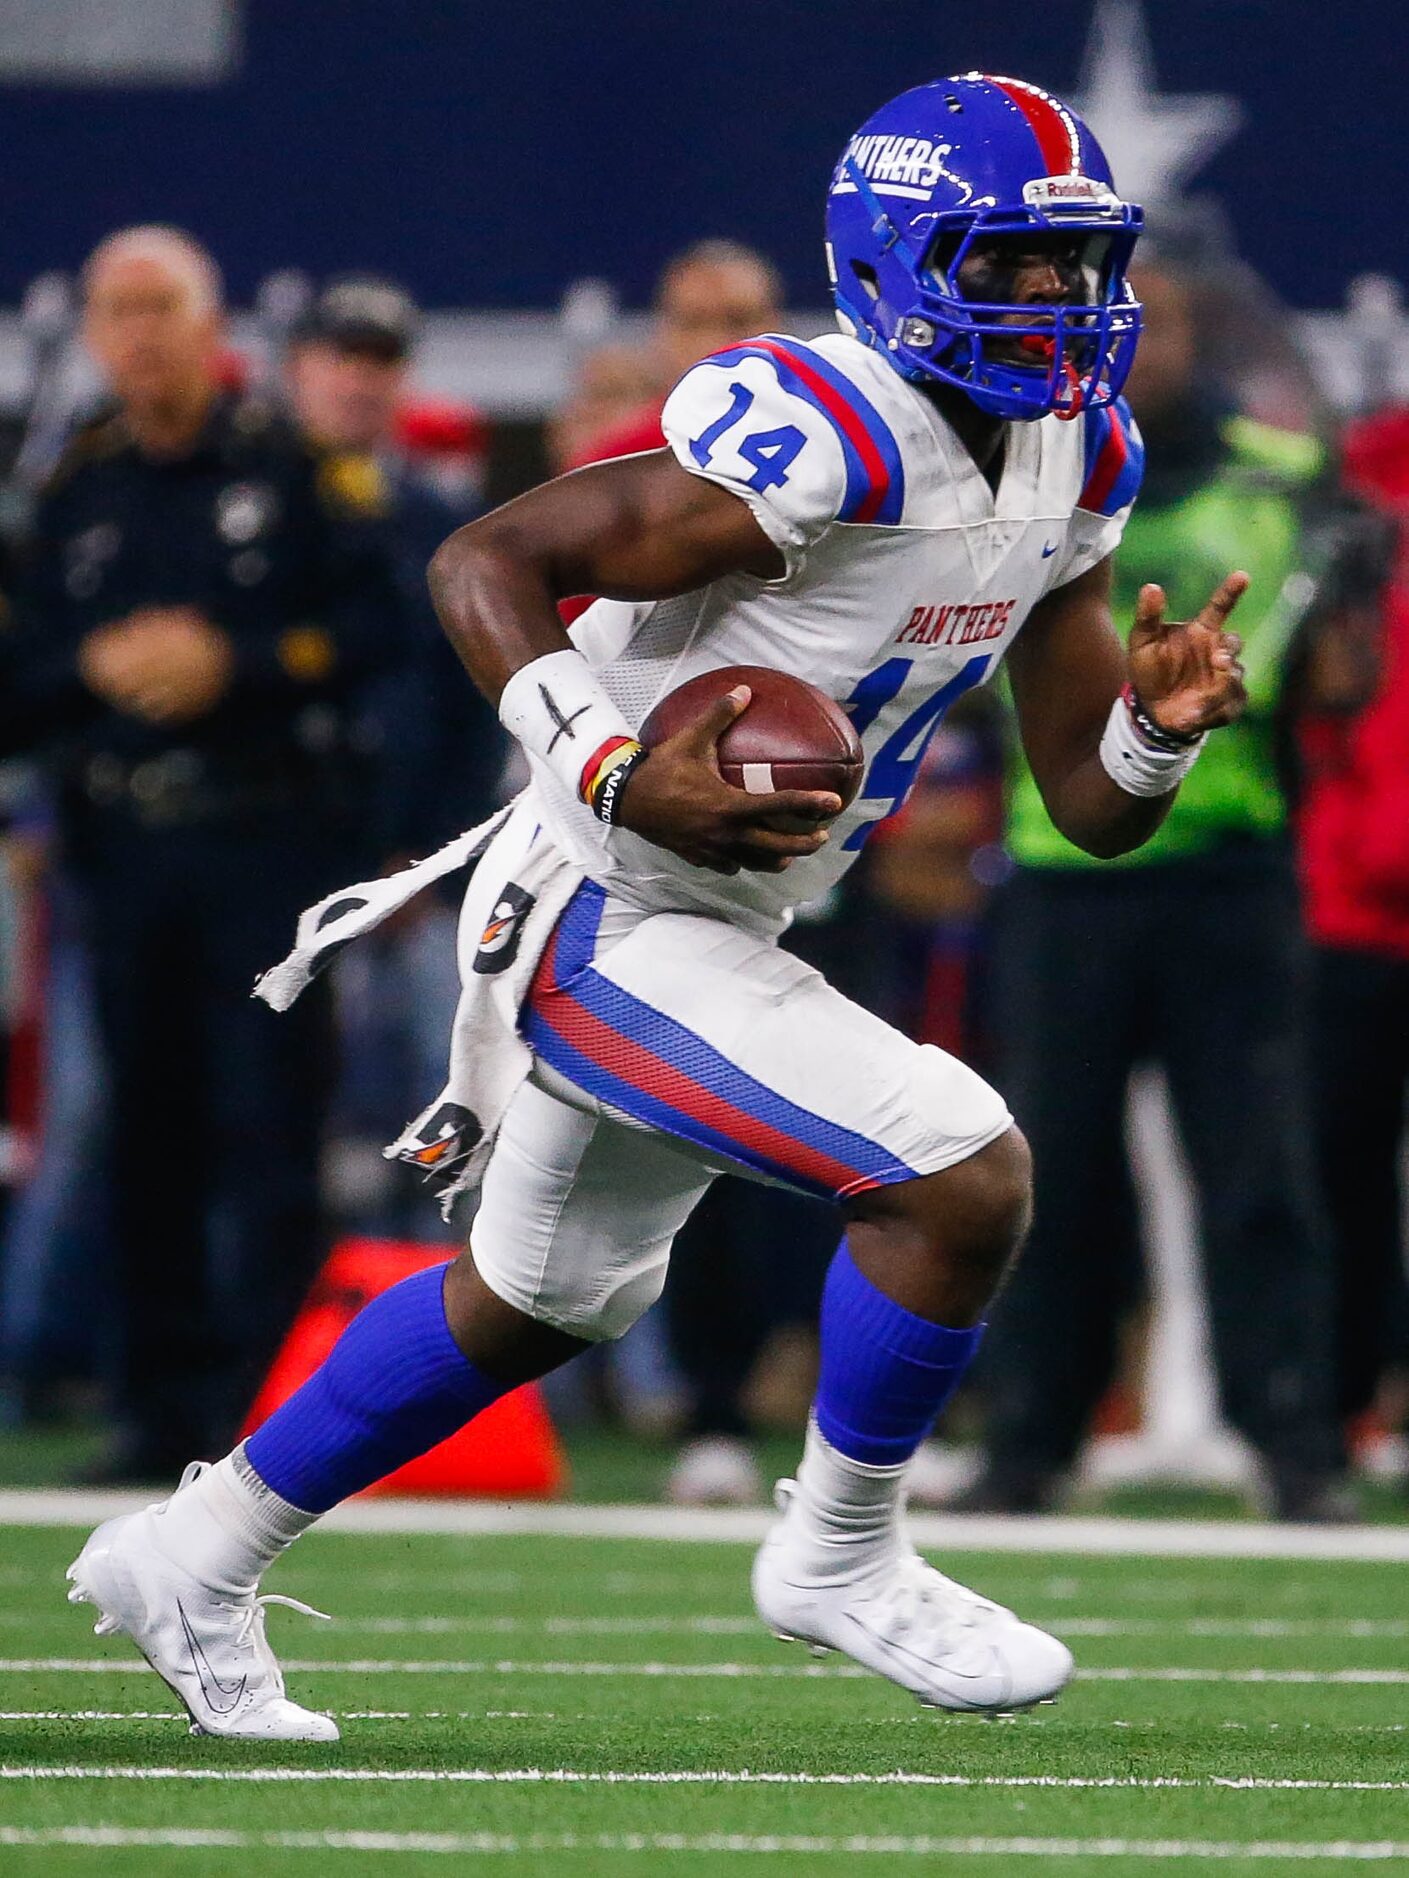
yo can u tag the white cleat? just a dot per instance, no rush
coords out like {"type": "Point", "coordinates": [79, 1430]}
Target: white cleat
{"type": "Point", "coordinates": [207, 1645]}
{"type": "Point", "coordinates": [900, 1617]}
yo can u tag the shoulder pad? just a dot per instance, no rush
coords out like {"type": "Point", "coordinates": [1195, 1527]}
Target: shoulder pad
{"type": "Point", "coordinates": [782, 427]}
{"type": "Point", "coordinates": [875, 476]}
{"type": "Point", "coordinates": [1114, 459]}
{"type": "Point", "coordinates": [352, 482]}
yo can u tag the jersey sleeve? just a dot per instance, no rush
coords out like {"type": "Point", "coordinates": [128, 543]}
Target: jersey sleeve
{"type": "Point", "coordinates": [796, 439]}
{"type": "Point", "coordinates": [1113, 462]}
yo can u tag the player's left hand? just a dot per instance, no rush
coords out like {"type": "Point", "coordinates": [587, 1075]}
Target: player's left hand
{"type": "Point", "coordinates": [1186, 672]}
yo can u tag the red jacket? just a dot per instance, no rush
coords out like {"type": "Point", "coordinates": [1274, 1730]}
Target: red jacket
{"type": "Point", "coordinates": [640, 432]}
{"type": "Point", "coordinates": [1354, 822]}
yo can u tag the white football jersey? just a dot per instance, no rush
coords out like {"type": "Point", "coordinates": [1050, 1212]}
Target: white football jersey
{"type": "Point", "coordinates": [907, 578]}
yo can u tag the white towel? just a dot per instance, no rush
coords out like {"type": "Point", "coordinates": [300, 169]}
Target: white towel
{"type": "Point", "coordinates": [516, 893]}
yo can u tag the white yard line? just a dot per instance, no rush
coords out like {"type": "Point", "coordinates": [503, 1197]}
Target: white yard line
{"type": "Point", "coordinates": [853, 1845]}
{"type": "Point", "coordinates": [1253, 1628]}
{"type": "Point", "coordinates": [90, 1714]}
{"type": "Point", "coordinates": [927, 1720]}
{"type": "Point", "coordinates": [795, 1845]}
{"type": "Point", "coordinates": [1330, 1677]}
{"type": "Point", "coordinates": [744, 1777]}
{"type": "Point", "coordinates": [741, 1626]}
{"type": "Point", "coordinates": [1149, 1538]}
{"type": "Point", "coordinates": [415, 1666]}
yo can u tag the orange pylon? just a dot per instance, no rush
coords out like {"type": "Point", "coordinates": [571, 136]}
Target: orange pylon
{"type": "Point", "coordinates": [509, 1451]}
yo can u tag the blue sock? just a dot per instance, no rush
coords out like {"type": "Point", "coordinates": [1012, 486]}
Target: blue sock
{"type": "Point", "coordinates": [886, 1373]}
{"type": "Point", "coordinates": [395, 1383]}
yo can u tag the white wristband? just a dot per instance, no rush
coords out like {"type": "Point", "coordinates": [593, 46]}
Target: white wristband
{"type": "Point", "coordinates": [560, 713]}
{"type": "Point", "coordinates": [1137, 766]}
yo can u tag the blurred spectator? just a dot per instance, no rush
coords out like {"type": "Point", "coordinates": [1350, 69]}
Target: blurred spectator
{"type": "Point", "coordinates": [447, 442]}
{"type": "Point", "coordinates": [197, 606]}
{"type": "Point", "coordinates": [713, 295]}
{"type": "Point", "coordinates": [57, 1290]}
{"type": "Point", "coordinates": [741, 1304]}
{"type": "Point", "coordinates": [610, 385]}
{"type": "Point", "coordinates": [347, 363]}
{"type": "Point", "coordinates": [440, 746]}
{"type": "Point", "coordinates": [1354, 827]}
{"type": "Point", "coordinates": [1188, 953]}
{"type": "Point", "coordinates": [348, 369]}
{"type": "Point", "coordinates": [933, 865]}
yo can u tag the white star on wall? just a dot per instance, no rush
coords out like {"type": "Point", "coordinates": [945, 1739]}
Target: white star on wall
{"type": "Point", "coordinates": [1154, 143]}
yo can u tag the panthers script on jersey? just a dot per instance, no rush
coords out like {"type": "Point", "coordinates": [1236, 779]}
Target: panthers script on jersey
{"type": "Point", "coordinates": [907, 579]}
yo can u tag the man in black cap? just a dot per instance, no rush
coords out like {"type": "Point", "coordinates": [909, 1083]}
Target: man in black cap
{"type": "Point", "coordinates": [349, 361]}
{"type": "Point", "coordinates": [348, 371]}
{"type": "Point", "coordinates": [200, 603]}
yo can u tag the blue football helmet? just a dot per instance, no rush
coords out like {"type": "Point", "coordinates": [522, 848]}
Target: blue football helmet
{"type": "Point", "coordinates": [950, 165]}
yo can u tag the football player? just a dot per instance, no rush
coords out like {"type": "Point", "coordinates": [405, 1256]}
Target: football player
{"type": "Point", "coordinates": [888, 512]}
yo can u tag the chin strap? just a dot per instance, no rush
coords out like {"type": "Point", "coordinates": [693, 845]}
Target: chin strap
{"type": "Point", "coordinates": [1073, 403]}
{"type": "Point", "coordinates": [1069, 400]}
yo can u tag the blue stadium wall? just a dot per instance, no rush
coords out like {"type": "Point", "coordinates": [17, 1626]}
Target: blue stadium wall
{"type": "Point", "coordinates": [487, 153]}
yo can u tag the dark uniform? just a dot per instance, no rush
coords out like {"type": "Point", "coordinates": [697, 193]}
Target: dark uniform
{"type": "Point", "coordinates": [443, 747]}
{"type": "Point", "coordinates": [195, 846]}
{"type": "Point", "coordinates": [442, 753]}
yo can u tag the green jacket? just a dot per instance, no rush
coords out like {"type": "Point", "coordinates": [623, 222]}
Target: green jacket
{"type": "Point", "coordinates": [1243, 511]}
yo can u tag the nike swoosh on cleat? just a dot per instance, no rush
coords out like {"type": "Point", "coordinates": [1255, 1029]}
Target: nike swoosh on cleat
{"type": "Point", "coordinates": [206, 1675]}
{"type": "Point", "coordinates": [924, 1663]}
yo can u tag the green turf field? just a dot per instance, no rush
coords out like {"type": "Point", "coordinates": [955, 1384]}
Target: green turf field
{"type": "Point", "coordinates": [593, 1706]}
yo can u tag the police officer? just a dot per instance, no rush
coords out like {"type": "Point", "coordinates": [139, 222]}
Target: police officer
{"type": "Point", "coordinates": [442, 753]}
{"type": "Point", "coordinates": [201, 601]}
{"type": "Point", "coordinates": [348, 374]}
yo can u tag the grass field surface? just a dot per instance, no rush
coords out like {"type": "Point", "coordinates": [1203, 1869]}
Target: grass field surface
{"type": "Point", "coordinates": [594, 1706]}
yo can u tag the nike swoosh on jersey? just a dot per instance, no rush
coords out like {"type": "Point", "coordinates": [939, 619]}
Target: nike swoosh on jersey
{"type": "Point", "coordinates": [1051, 548]}
{"type": "Point", "coordinates": [206, 1675]}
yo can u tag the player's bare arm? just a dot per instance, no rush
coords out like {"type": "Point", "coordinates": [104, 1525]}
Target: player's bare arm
{"type": "Point", "coordinates": [1068, 669]}
{"type": "Point", "coordinates": [639, 528]}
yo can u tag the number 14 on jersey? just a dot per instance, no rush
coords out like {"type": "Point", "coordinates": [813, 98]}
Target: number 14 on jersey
{"type": "Point", "coordinates": [770, 452]}
{"type": "Point", "coordinates": [891, 772]}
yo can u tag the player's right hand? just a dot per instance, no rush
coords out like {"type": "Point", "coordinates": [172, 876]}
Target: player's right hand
{"type": "Point", "coordinates": [678, 799]}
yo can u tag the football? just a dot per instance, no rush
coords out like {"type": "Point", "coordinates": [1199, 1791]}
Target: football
{"type": "Point", "coordinates": [790, 736]}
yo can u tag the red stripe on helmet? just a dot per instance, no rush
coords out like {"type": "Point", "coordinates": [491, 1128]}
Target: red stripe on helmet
{"type": "Point", "coordinates": [1050, 123]}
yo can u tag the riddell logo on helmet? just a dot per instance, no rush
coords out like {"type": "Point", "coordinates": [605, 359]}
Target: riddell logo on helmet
{"type": "Point", "coordinates": [956, 625]}
{"type": "Point", "coordinates": [1048, 189]}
